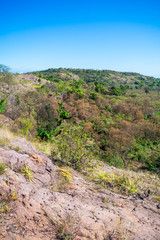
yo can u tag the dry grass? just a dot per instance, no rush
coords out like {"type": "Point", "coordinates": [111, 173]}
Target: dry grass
{"type": "Point", "coordinates": [5, 136]}
{"type": "Point", "coordinates": [68, 227]}
{"type": "Point", "coordinates": [125, 181]}
{"type": "Point", "coordinates": [43, 146]}
{"type": "Point", "coordinates": [64, 180]}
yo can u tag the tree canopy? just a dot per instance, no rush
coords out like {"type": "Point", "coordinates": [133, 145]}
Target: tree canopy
{"type": "Point", "coordinates": [4, 68]}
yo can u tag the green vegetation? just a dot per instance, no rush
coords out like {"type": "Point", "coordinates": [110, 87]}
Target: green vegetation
{"type": "Point", "coordinates": [65, 173]}
{"type": "Point", "coordinates": [27, 172]}
{"type": "Point", "coordinates": [4, 68]}
{"type": "Point", "coordinates": [61, 235]}
{"type": "Point", "coordinates": [3, 166]}
{"type": "Point", "coordinates": [4, 207]}
{"type": "Point", "coordinates": [125, 184]}
{"type": "Point", "coordinates": [73, 149]}
{"type": "Point", "coordinates": [2, 105]}
{"type": "Point", "coordinates": [62, 113]}
{"type": "Point", "coordinates": [25, 126]}
{"type": "Point", "coordinates": [87, 115]}
{"type": "Point", "coordinates": [68, 227]}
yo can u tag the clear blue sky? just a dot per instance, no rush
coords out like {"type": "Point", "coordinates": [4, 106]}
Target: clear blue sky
{"type": "Point", "coordinates": [122, 35]}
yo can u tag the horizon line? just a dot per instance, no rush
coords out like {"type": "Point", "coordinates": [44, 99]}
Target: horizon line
{"type": "Point", "coordinates": [25, 71]}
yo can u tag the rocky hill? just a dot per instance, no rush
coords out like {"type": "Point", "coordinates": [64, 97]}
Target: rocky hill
{"type": "Point", "coordinates": [79, 155]}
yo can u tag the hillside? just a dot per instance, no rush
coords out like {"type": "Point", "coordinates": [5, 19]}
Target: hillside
{"type": "Point", "coordinates": [119, 117]}
{"type": "Point", "coordinates": [49, 202]}
{"type": "Point", "coordinates": [106, 77]}
{"type": "Point", "coordinates": [82, 146]}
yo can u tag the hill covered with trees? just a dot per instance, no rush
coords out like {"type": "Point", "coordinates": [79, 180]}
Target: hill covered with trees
{"type": "Point", "coordinates": [111, 115]}
{"type": "Point", "coordinates": [66, 132]}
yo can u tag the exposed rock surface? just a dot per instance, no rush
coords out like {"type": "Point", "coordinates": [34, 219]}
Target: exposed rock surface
{"type": "Point", "coordinates": [40, 206]}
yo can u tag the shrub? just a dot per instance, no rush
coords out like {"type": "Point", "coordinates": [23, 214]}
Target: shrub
{"type": "Point", "coordinates": [62, 113]}
{"type": "Point", "coordinates": [79, 92]}
{"type": "Point", "coordinates": [27, 172]}
{"type": "Point", "coordinates": [124, 183]}
{"type": "Point", "coordinates": [25, 126]}
{"type": "Point", "coordinates": [115, 91]}
{"type": "Point", "coordinates": [68, 227]}
{"type": "Point", "coordinates": [100, 88]}
{"type": "Point", "coordinates": [114, 160]}
{"type": "Point", "coordinates": [61, 235]}
{"type": "Point", "coordinates": [93, 96]}
{"type": "Point", "coordinates": [146, 152]}
{"type": "Point", "coordinates": [2, 104]}
{"type": "Point", "coordinates": [73, 150]}
{"type": "Point", "coordinates": [65, 174]}
{"type": "Point", "coordinates": [2, 167]}
{"type": "Point", "coordinates": [128, 184]}
{"type": "Point", "coordinates": [4, 207]}
{"type": "Point", "coordinates": [46, 132]}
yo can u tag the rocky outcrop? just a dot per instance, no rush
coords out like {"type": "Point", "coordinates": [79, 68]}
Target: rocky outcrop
{"type": "Point", "coordinates": [47, 205]}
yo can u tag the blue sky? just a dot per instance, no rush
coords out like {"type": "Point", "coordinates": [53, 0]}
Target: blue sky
{"type": "Point", "coordinates": [117, 35]}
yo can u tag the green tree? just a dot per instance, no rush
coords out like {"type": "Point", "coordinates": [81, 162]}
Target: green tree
{"type": "Point", "coordinates": [115, 91]}
{"type": "Point", "coordinates": [4, 68]}
{"type": "Point", "coordinates": [2, 105]}
{"type": "Point", "coordinates": [73, 149]}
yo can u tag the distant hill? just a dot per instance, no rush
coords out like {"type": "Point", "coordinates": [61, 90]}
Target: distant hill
{"type": "Point", "coordinates": [106, 77]}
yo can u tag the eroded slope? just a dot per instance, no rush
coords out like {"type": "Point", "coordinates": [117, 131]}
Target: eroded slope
{"type": "Point", "coordinates": [43, 204]}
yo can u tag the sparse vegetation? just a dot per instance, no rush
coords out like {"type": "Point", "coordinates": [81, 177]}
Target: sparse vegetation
{"type": "Point", "coordinates": [4, 207]}
{"type": "Point", "coordinates": [27, 172]}
{"type": "Point", "coordinates": [3, 166]}
{"type": "Point", "coordinates": [68, 227]}
{"type": "Point", "coordinates": [5, 136]}
{"type": "Point", "coordinates": [119, 182]}
{"type": "Point", "coordinates": [65, 173]}
{"type": "Point", "coordinates": [8, 196]}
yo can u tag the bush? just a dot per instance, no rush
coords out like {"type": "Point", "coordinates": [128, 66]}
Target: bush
{"type": "Point", "coordinates": [25, 126]}
{"type": "Point", "coordinates": [2, 167]}
{"type": "Point", "coordinates": [115, 91]}
{"type": "Point", "coordinates": [65, 173]}
{"type": "Point", "coordinates": [62, 113]}
{"type": "Point", "coordinates": [100, 88]}
{"type": "Point", "coordinates": [73, 150]}
{"type": "Point", "coordinates": [93, 96]}
{"type": "Point", "coordinates": [146, 152]}
{"type": "Point", "coordinates": [113, 160]}
{"type": "Point", "coordinates": [79, 92]}
{"type": "Point", "coordinates": [27, 172]}
{"type": "Point", "coordinates": [123, 183]}
{"type": "Point", "coordinates": [68, 227]}
{"type": "Point", "coordinates": [2, 104]}
{"type": "Point", "coordinates": [45, 133]}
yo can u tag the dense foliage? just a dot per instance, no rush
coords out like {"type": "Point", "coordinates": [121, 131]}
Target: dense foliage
{"type": "Point", "coordinates": [117, 113]}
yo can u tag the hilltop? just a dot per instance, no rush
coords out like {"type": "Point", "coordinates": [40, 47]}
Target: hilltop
{"type": "Point", "coordinates": [107, 78]}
